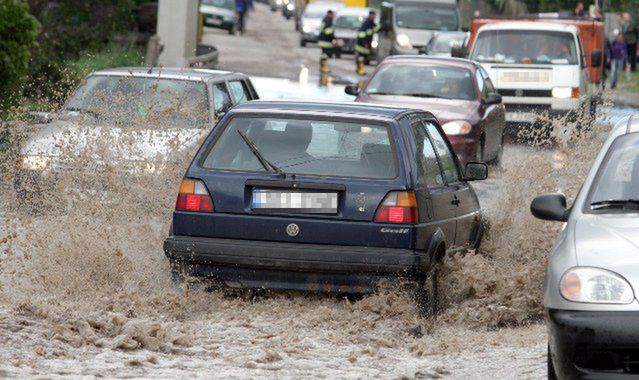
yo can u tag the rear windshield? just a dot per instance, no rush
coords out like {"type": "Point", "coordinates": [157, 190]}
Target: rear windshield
{"type": "Point", "coordinates": [427, 16]}
{"type": "Point", "coordinates": [311, 147]}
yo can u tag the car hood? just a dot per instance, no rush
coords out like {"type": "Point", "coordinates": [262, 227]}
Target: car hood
{"type": "Point", "coordinates": [212, 10]}
{"type": "Point", "coordinates": [611, 242]}
{"type": "Point", "coordinates": [445, 110]}
{"type": "Point", "coordinates": [64, 138]}
{"type": "Point", "coordinates": [417, 37]}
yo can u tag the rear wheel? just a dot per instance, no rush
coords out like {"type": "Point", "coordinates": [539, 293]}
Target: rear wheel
{"type": "Point", "coordinates": [427, 292]}
{"type": "Point", "coordinates": [231, 30]}
{"type": "Point", "coordinates": [303, 43]}
{"type": "Point", "coordinates": [551, 368]}
{"type": "Point", "coordinates": [179, 271]}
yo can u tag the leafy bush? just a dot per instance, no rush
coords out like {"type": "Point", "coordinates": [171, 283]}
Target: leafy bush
{"type": "Point", "coordinates": [18, 31]}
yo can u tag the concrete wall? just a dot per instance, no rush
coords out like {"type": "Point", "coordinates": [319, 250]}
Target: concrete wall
{"type": "Point", "coordinates": [177, 28]}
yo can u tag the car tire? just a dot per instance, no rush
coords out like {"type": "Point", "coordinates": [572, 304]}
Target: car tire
{"type": "Point", "coordinates": [231, 30]}
{"type": "Point", "coordinates": [500, 153]}
{"type": "Point", "coordinates": [479, 150]}
{"type": "Point", "coordinates": [179, 271]}
{"type": "Point", "coordinates": [303, 43]}
{"type": "Point", "coordinates": [552, 375]}
{"type": "Point", "coordinates": [427, 292]}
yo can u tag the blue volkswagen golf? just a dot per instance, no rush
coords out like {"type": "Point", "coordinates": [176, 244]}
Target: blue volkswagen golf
{"type": "Point", "coordinates": [323, 196]}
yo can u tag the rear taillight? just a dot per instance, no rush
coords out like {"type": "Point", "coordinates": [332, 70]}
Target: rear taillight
{"type": "Point", "coordinates": [193, 196]}
{"type": "Point", "coordinates": [398, 207]}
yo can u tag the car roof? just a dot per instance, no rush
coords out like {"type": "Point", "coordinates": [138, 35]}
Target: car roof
{"type": "Point", "coordinates": [168, 73]}
{"type": "Point", "coordinates": [530, 25]}
{"type": "Point", "coordinates": [329, 108]}
{"type": "Point", "coordinates": [428, 59]}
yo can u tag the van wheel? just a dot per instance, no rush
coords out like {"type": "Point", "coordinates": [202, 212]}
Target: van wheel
{"type": "Point", "coordinates": [551, 368]}
{"type": "Point", "coordinates": [427, 292]}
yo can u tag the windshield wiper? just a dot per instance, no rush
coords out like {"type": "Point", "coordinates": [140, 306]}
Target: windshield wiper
{"type": "Point", "coordinates": [613, 203]}
{"type": "Point", "coordinates": [419, 95]}
{"type": "Point", "coordinates": [270, 167]}
{"type": "Point", "coordinates": [379, 93]}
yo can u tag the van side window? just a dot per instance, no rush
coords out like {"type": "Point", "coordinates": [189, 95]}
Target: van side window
{"type": "Point", "coordinates": [446, 158]}
{"type": "Point", "coordinates": [221, 98]}
{"type": "Point", "coordinates": [428, 170]}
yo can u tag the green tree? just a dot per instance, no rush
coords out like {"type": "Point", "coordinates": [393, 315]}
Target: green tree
{"type": "Point", "coordinates": [18, 32]}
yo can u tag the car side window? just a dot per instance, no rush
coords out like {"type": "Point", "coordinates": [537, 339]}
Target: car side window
{"type": "Point", "coordinates": [239, 91]}
{"type": "Point", "coordinates": [481, 84]}
{"type": "Point", "coordinates": [490, 88]}
{"type": "Point", "coordinates": [428, 170]}
{"type": "Point", "coordinates": [221, 98]}
{"type": "Point", "coordinates": [446, 158]}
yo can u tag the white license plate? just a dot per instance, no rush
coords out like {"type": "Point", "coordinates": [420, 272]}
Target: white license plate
{"type": "Point", "coordinates": [310, 202]}
{"type": "Point", "coordinates": [521, 117]}
{"type": "Point", "coordinates": [524, 77]}
{"type": "Point", "coordinates": [213, 21]}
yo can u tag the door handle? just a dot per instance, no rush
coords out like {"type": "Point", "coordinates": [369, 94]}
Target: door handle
{"type": "Point", "coordinates": [455, 201]}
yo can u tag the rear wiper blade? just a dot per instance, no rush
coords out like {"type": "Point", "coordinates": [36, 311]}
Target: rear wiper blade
{"type": "Point", "coordinates": [613, 203]}
{"type": "Point", "coordinates": [265, 163]}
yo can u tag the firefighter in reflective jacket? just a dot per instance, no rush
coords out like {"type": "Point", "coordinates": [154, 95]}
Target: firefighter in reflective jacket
{"type": "Point", "coordinates": [363, 47]}
{"type": "Point", "coordinates": [326, 40]}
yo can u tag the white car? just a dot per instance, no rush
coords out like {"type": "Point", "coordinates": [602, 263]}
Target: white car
{"type": "Point", "coordinates": [592, 278]}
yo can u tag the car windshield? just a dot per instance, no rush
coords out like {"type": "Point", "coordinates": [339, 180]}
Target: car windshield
{"type": "Point", "coordinates": [422, 81]}
{"type": "Point", "coordinates": [352, 22]}
{"type": "Point", "coordinates": [228, 4]}
{"type": "Point", "coordinates": [130, 100]}
{"type": "Point", "coordinates": [426, 16]}
{"type": "Point", "coordinates": [312, 147]}
{"type": "Point", "coordinates": [531, 46]}
{"type": "Point", "coordinates": [444, 43]}
{"type": "Point", "coordinates": [617, 179]}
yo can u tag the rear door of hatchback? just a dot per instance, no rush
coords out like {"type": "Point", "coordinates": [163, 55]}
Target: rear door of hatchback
{"type": "Point", "coordinates": [342, 183]}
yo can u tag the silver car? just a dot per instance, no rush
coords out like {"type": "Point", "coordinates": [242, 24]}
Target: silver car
{"type": "Point", "coordinates": [592, 311]}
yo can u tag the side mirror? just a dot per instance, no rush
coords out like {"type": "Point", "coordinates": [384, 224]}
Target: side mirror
{"type": "Point", "coordinates": [458, 52]}
{"type": "Point", "coordinates": [476, 171]}
{"type": "Point", "coordinates": [41, 117]}
{"type": "Point", "coordinates": [550, 207]}
{"type": "Point", "coordinates": [352, 89]}
{"type": "Point", "coordinates": [492, 98]}
{"type": "Point", "coordinates": [595, 58]}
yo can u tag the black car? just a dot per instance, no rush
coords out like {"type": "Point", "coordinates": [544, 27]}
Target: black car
{"type": "Point", "coordinates": [323, 196]}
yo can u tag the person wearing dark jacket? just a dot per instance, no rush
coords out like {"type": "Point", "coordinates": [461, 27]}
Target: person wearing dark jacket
{"type": "Point", "coordinates": [618, 58]}
{"type": "Point", "coordinates": [326, 40]}
{"type": "Point", "coordinates": [629, 29]}
{"type": "Point", "coordinates": [363, 47]}
{"type": "Point", "coordinates": [242, 7]}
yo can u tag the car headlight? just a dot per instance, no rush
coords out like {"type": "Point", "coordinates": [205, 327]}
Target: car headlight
{"type": "Point", "coordinates": [290, 6]}
{"type": "Point", "coordinates": [306, 29]}
{"type": "Point", "coordinates": [457, 127]}
{"type": "Point", "coordinates": [594, 285]}
{"type": "Point", "coordinates": [35, 162]}
{"type": "Point", "coordinates": [565, 92]}
{"type": "Point", "coordinates": [374, 44]}
{"type": "Point", "coordinates": [403, 41]}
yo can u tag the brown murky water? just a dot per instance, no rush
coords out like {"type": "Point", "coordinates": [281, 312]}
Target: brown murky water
{"type": "Point", "coordinates": [85, 288]}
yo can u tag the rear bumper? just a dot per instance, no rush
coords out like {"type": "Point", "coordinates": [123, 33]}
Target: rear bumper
{"type": "Point", "coordinates": [283, 265]}
{"type": "Point", "coordinates": [594, 345]}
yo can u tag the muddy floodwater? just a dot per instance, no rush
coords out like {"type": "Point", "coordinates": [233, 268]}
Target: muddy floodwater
{"type": "Point", "coordinates": [85, 288]}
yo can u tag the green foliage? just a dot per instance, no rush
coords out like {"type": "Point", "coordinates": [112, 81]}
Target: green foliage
{"type": "Point", "coordinates": [18, 31]}
{"type": "Point", "coordinates": [113, 55]}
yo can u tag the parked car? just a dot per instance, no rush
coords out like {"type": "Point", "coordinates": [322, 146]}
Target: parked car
{"type": "Point", "coordinates": [312, 19]}
{"type": "Point", "coordinates": [442, 43]}
{"type": "Point", "coordinates": [219, 14]}
{"type": "Point", "coordinates": [288, 9]}
{"type": "Point", "coordinates": [123, 96]}
{"type": "Point", "coordinates": [323, 196]}
{"type": "Point", "coordinates": [408, 25]}
{"type": "Point", "coordinates": [275, 5]}
{"type": "Point", "coordinates": [347, 23]}
{"type": "Point", "coordinates": [593, 270]}
{"type": "Point", "coordinates": [457, 91]}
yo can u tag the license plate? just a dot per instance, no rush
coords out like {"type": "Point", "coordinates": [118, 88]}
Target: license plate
{"type": "Point", "coordinates": [295, 201]}
{"type": "Point", "coordinates": [214, 21]}
{"type": "Point", "coordinates": [524, 77]}
{"type": "Point", "coordinates": [521, 117]}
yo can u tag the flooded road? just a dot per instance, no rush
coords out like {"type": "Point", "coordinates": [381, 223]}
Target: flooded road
{"type": "Point", "coordinates": [87, 291]}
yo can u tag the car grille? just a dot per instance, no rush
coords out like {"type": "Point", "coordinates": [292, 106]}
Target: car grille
{"type": "Point", "coordinates": [536, 108]}
{"type": "Point", "coordinates": [610, 360]}
{"type": "Point", "coordinates": [535, 93]}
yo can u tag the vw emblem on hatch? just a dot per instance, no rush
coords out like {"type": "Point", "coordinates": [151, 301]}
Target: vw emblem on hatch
{"type": "Point", "coordinates": [292, 229]}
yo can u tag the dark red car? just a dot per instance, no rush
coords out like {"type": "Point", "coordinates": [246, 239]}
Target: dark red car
{"type": "Point", "coordinates": [457, 91]}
